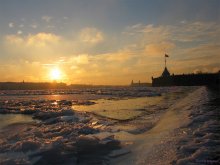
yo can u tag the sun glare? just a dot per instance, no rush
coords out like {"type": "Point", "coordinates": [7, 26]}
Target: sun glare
{"type": "Point", "coordinates": [55, 74]}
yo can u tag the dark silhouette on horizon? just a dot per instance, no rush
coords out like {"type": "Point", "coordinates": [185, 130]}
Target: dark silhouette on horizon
{"type": "Point", "coordinates": [139, 84]}
{"type": "Point", "coordinates": [31, 85]}
{"type": "Point", "coordinates": [199, 79]}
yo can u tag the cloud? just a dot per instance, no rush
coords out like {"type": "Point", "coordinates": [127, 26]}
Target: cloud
{"type": "Point", "coordinates": [191, 45]}
{"type": "Point", "coordinates": [34, 47]}
{"type": "Point", "coordinates": [19, 32]}
{"type": "Point", "coordinates": [137, 54]}
{"type": "Point", "coordinates": [42, 39]}
{"type": "Point", "coordinates": [153, 40]}
{"type": "Point", "coordinates": [158, 49]}
{"type": "Point", "coordinates": [80, 59]}
{"type": "Point", "coordinates": [196, 32]}
{"type": "Point", "coordinates": [34, 26]}
{"type": "Point", "coordinates": [11, 24]}
{"type": "Point", "coordinates": [205, 49]}
{"type": "Point", "coordinates": [91, 35]}
{"type": "Point", "coordinates": [13, 39]}
{"type": "Point", "coordinates": [203, 57]}
{"type": "Point", "coordinates": [46, 18]}
{"type": "Point", "coordinates": [182, 32]}
{"type": "Point", "coordinates": [37, 40]}
{"type": "Point", "coordinates": [149, 33]}
{"type": "Point", "coordinates": [208, 53]}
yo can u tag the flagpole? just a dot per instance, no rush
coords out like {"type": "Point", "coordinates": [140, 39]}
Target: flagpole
{"type": "Point", "coordinates": [165, 61]}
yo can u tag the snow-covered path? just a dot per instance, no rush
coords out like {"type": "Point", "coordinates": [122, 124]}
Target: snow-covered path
{"type": "Point", "coordinates": [158, 145]}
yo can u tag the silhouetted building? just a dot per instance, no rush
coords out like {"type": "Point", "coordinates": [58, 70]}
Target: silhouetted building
{"type": "Point", "coordinates": [208, 79]}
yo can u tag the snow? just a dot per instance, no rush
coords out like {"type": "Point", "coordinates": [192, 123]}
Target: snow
{"type": "Point", "coordinates": [164, 143]}
{"type": "Point", "coordinates": [174, 125]}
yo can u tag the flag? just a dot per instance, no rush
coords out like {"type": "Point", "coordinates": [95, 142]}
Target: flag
{"type": "Point", "coordinates": [166, 55]}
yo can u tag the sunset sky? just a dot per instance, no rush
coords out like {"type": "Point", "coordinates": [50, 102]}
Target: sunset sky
{"type": "Point", "coordinates": [107, 41]}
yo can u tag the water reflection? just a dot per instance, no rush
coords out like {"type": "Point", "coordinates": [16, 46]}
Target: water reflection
{"type": "Point", "coordinates": [7, 119]}
{"type": "Point", "coordinates": [119, 109]}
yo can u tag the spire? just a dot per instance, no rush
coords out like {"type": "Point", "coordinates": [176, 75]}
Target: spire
{"type": "Point", "coordinates": [165, 72]}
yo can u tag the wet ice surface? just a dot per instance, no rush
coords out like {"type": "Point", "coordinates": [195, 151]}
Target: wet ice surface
{"type": "Point", "coordinates": [123, 109]}
{"type": "Point", "coordinates": [8, 119]}
{"type": "Point", "coordinates": [100, 126]}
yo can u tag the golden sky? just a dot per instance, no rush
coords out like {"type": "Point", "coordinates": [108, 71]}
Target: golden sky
{"type": "Point", "coordinates": [106, 42]}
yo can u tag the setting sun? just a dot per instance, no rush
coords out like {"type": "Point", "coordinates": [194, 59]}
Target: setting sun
{"type": "Point", "coordinates": [55, 74]}
{"type": "Point", "coordinates": [109, 82]}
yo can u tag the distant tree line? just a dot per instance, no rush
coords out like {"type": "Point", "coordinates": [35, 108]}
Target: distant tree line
{"type": "Point", "coordinates": [31, 85]}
